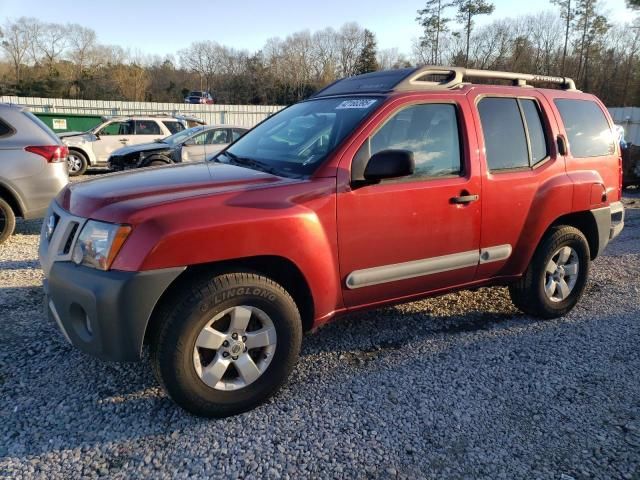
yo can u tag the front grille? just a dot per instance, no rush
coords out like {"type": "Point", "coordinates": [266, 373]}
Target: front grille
{"type": "Point", "coordinates": [72, 235]}
{"type": "Point", "coordinates": [58, 247]}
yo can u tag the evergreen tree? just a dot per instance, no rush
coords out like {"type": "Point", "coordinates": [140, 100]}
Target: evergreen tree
{"type": "Point", "coordinates": [367, 59]}
{"type": "Point", "coordinates": [467, 9]}
{"type": "Point", "coordinates": [567, 14]}
{"type": "Point", "coordinates": [434, 23]}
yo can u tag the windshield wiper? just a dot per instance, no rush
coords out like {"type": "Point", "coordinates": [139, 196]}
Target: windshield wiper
{"type": "Point", "coordinates": [251, 163]}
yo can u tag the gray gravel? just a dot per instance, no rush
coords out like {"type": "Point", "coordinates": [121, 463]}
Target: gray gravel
{"type": "Point", "coordinates": [462, 386]}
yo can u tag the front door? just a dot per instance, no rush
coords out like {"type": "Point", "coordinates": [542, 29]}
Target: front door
{"type": "Point", "coordinates": [205, 144]}
{"type": "Point", "coordinates": [420, 233]}
{"type": "Point", "coordinates": [112, 136]}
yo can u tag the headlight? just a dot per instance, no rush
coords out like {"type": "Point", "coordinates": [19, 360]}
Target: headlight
{"type": "Point", "coordinates": [99, 243]}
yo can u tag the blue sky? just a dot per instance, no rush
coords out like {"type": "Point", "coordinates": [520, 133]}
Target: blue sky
{"type": "Point", "coordinates": [163, 27]}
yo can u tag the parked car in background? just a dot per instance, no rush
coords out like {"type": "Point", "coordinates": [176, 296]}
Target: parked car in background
{"type": "Point", "coordinates": [93, 148]}
{"type": "Point", "coordinates": [199, 97]}
{"type": "Point", "coordinates": [33, 167]}
{"type": "Point", "coordinates": [382, 188]}
{"type": "Point", "coordinates": [191, 145]}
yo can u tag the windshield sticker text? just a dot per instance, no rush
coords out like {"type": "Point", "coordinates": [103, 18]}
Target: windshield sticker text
{"type": "Point", "coordinates": [359, 103]}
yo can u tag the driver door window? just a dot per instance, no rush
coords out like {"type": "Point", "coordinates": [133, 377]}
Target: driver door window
{"type": "Point", "coordinates": [114, 128]}
{"type": "Point", "coordinates": [217, 137]}
{"type": "Point", "coordinates": [430, 131]}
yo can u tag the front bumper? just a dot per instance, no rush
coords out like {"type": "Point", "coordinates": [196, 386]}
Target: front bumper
{"type": "Point", "coordinates": [103, 313]}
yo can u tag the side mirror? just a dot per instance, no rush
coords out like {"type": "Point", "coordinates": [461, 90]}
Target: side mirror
{"type": "Point", "coordinates": [562, 145]}
{"type": "Point", "coordinates": [389, 164]}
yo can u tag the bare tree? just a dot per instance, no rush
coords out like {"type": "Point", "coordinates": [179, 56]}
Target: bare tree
{"type": "Point", "coordinates": [51, 40]}
{"type": "Point", "coordinates": [16, 43]}
{"type": "Point", "coordinates": [350, 40]}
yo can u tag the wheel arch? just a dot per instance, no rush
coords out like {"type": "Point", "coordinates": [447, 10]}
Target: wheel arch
{"type": "Point", "coordinates": [9, 196]}
{"type": "Point", "coordinates": [157, 157]}
{"type": "Point", "coordinates": [586, 223]}
{"type": "Point", "coordinates": [82, 152]}
{"type": "Point", "coordinates": [279, 269]}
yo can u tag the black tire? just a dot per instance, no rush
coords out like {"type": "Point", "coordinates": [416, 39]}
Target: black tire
{"type": "Point", "coordinates": [7, 221]}
{"type": "Point", "coordinates": [158, 162]}
{"type": "Point", "coordinates": [174, 341]}
{"type": "Point", "coordinates": [77, 163]}
{"type": "Point", "coordinates": [528, 293]}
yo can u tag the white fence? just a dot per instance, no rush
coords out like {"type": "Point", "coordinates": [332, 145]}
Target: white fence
{"type": "Point", "coordinates": [629, 118]}
{"type": "Point", "coordinates": [241, 115]}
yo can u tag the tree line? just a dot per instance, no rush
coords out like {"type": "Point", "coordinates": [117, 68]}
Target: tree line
{"type": "Point", "coordinates": [573, 38]}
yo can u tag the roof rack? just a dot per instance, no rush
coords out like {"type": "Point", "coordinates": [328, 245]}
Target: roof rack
{"type": "Point", "coordinates": [455, 76]}
{"type": "Point", "coordinates": [430, 78]}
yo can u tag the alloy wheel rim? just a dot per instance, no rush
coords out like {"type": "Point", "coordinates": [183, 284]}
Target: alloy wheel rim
{"type": "Point", "coordinates": [74, 163]}
{"type": "Point", "coordinates": [234, 348]}
{"type": "Point", "coordinates": [561, 274]}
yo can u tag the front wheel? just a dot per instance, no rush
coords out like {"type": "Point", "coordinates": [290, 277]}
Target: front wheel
{"type": "Point", "coordinates": [227, 345]}
{"type": "Point", "coordinates": [557, 276]}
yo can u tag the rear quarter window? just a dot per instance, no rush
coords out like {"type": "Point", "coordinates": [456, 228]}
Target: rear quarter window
{"type": "Point", "coordinates": [43, 126]}
{"type": "Point", "coordinates": [5, 129]}
{"type": "Point", "coordinates": [587, 128]}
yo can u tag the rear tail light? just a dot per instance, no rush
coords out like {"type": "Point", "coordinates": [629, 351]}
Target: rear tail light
{"type": "Point", "coordinates": [51, 153]}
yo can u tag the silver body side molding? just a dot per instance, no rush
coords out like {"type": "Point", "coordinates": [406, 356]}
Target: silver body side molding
{"type": "Point", "coordinates": [428, 266]}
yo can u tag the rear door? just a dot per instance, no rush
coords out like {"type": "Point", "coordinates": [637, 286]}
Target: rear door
{"type": "Point", "coordinates": [146, 131]}
{"type": "Point", "coordinates": [408, 236]}
{"type": "Point", "coordinates": [519, 162]}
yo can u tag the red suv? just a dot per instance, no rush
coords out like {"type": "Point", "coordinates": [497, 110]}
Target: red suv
{"type": "Point", "coordinates": [382, 188]}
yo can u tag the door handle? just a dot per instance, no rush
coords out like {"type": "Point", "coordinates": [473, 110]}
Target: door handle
{"type": "Point", "coordinates": [124, 140]}
{"type": "Point", "coordinates": [465, 199]}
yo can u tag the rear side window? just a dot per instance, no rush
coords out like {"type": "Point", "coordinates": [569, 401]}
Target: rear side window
{"type": "Point", "coordinates": [147, 127]}
{"type": "Point", "coordinates": [174, 127]}
{"type": "Point", "coordinates": [587, 128]}
{"type": "Point", "coordinates": [513, 133]}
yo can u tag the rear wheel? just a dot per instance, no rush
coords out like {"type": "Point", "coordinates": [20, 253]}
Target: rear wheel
{"type": "Point", "coordinates": [227, 345]}
{"type": "Point", "coordinates": [557, 276]}
{"type": "Point", "coordinates": [7, 221]}
{"type": "Point", "coordinates": [77, 163]}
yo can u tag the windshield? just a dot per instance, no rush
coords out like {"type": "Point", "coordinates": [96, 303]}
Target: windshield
{"type": "Point", "coordinates": [180, 137]}
{"type": "Point", "coordinates": [296, 140]}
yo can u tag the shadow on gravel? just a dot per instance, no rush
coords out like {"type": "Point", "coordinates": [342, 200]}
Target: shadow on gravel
{"type": "Point", "coordinates": [28, 227]}
{"type": "Point", "coordinates": [422, 326]}
{"type": "Point", "coordinates": [19, 265]}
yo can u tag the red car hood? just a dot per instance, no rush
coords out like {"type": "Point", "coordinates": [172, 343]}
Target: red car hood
{"type": "Point", "coordinates": [129, 192]}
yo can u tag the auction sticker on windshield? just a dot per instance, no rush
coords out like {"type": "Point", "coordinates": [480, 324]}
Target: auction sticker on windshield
{"type": "Point", "coordinates": [357, 103]}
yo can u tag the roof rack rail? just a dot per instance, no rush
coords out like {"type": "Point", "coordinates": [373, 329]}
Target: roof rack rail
{"type": "Point", "coordinates": [453, 77]}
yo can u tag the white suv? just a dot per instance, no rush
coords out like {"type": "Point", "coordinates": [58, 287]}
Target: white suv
{"type": "Point", "coordinates": [94, 147]}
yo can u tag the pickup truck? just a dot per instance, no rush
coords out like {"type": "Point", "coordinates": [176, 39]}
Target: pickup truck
{"type": "Point", "coordinates": [382, 188]}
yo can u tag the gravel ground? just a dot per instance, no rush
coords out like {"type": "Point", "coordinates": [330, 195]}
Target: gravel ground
{"type": "Point", "coordinates": [462, 386]}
